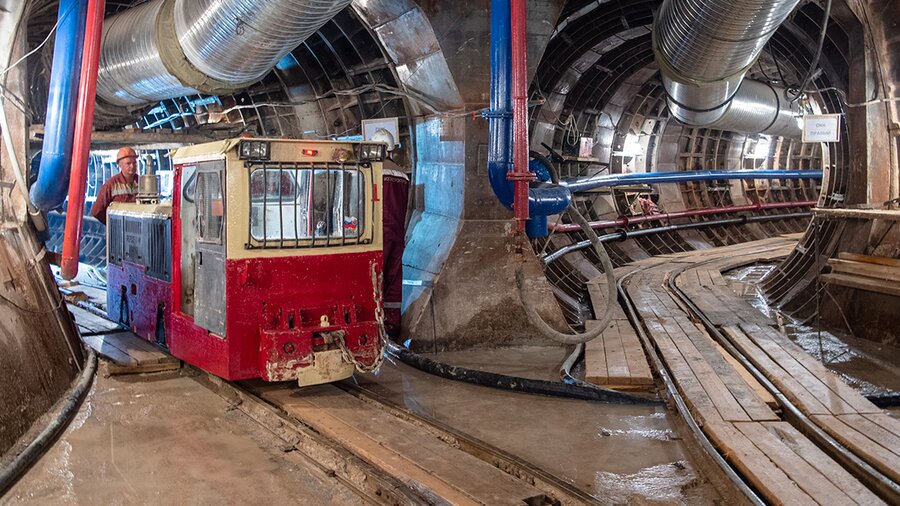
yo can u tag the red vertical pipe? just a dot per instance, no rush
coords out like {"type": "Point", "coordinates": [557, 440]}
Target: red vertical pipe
{"type": "Point", "coordinates": [520, 175]}
{"type": "Point", "coordinates": [81, 149]}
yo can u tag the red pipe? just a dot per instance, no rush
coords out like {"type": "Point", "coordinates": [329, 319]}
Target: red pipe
{"type": "Point", "coordinates": [81, 149]}
{"type": "Point", "coordinates": [520, 174]}
{"type": "Point", "coordinates": [624, 221]}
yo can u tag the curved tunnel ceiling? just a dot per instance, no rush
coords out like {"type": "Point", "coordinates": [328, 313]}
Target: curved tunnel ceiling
{"type": "Point", "coordinates": [597, 69]}
{"type": "Point", "coordinates": [598, 79]}
{"type": "Point", "coordinates": [323, 88]}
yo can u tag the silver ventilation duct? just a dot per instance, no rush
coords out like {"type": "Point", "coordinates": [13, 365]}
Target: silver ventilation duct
{"type": "Point", "coordinates": [169, 48]}
{"type": "Point", "coordinates": [131, 71]}
{"type": "Point", "coordinates": [705, 47]}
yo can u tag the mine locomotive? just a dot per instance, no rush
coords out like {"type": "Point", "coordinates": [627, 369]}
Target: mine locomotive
{"type": "Point", "coordinates": [267, 263]}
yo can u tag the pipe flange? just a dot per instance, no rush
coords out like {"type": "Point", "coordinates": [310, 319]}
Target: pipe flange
{"type": "Point", "coordinates": [177, 63]}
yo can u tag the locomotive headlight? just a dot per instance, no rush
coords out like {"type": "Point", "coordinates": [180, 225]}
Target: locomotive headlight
{"type": "Point", "coordinates": [371, 152]}
{"type": "Point", "coordinates": [254, 150]}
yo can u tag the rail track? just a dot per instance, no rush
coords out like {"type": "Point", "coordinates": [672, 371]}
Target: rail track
{"type": "Point", "coordinates": [361, 452]}
{"type": "Point", "coordinates": [731, 466]}
{"type": "Point", "coordinates": [370, 463]}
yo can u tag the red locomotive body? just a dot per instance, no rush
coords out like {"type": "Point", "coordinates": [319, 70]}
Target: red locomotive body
{"type": "Point", "coordinates": [266, 264]}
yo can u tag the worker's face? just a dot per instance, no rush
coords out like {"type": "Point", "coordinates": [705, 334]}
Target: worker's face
{"type": "Point", "coordinates": [128, 166]}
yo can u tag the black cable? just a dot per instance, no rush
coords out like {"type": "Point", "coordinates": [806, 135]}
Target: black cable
{"type": "Point", "coordinates": [70, 403]}
{"type": "Point", "coordinates": [815, 61]}
{"type": "Point", "coordinates": [513, 383]}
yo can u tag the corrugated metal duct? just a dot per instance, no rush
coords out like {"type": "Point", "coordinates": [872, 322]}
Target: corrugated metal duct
{"type": "Point", "coordinates": [169, 48]}
{"type": "Point", "coordinates": [704, 48]}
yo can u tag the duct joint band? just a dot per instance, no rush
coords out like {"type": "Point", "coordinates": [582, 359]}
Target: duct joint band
{"type": "Point", "coordinates": [694, 109]}
{"type": "Point", "coordinates": [665, 68]}
{"type": "Point", "coordinates": [177, 63]}
{"type": "Point", "coordinates": [777, 108]}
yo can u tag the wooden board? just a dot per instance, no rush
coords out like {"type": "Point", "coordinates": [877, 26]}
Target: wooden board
{"type": "Point", "coordinates": [828, 468]}
{"type": "Point", "coordinates": [807, 477]}
{"type": "Point", "coordinates": [616, 358]}
{"type": "Point", "coordinates": [816, 369]}
{"type": "Point", "coordinates": [786, 384]}
{"type": "Point", "coordinates": [892, 262]}
{"type": "Point", "coordinates": [685, 380]}
{"type": "Point", "coordinates": [759, 470]}
{"type": "Point", "coordinates": [862, 445]}
{"type": "Point", "coordinates": [867, 284]}
{"type": "Point", "coordinates": [728, 407]}
{"type": "Point", "coordinates": [754, 405]}
{"type": "Point", "coordinates": [819, 387]}
{"type": "Point", "coordinates": [865, 269]}
{"type": "Point", "coordinates": [400, 448]}
{"type": "Point", "coordinates": [761, 392]}
{"type": "Point", "coordinates": [130, 354]}
{"type": "Point", "coordinates": [89, 323]}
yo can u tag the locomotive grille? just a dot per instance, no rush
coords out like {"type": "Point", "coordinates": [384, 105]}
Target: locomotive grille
{"type": "Point", "coordinates": [141, 240]}
{"type": "Point", "coordinates": [115, 248]}
{"type": "Point", "coordinates": [300, 205]}
{"type": "Point", "coordinates": [158, 252]}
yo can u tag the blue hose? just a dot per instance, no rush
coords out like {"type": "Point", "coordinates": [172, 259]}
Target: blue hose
{"type": "Point", "coordinates": [59, 125]}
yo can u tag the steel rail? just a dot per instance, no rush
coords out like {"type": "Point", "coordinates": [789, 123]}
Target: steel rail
{"type": "Point", "coordinates": [341, 463]}
{"type": "Point", "coordinates": [883, 486]}
{"type": "Point", "coordinates": [556, 487]}
{"type": "Point", "coordinates": [274, 417]}
{"type": "Point", "coordinates": [680, 405]}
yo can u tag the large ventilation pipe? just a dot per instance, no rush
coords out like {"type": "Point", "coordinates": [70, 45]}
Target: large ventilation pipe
{"type": "Point", "coordinates": [170, 48]}
{"type": "Point", "coordinates": [705, 47]}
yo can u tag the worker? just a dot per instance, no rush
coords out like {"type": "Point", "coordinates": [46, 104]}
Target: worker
{"type": "Point", "coordinates": [395, 192]}
{"type": "Point", "coordinates": [648, 207]}
{"type": "Point", "coordinates": [123, 187]}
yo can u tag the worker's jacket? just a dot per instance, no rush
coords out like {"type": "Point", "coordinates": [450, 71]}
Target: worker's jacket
{"type": "Point", "coordinates": [116, 189]}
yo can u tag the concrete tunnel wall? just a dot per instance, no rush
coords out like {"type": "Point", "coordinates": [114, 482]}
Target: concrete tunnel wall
{"type": "Point", "coordinates": [40, 354]}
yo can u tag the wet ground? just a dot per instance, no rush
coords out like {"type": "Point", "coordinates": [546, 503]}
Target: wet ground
{"type": "Point", "coordinates": [621, 454]}
{"type": "Point", "coordinates": [871, 368]}
{"type": "Point", "coordinates": [169, 440]}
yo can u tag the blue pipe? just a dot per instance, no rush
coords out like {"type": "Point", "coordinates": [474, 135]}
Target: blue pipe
{"type": "Point", "coordinates": [59, 124]}
{"type": "Point", "coordinates": [543, 199]}
{"type": "Point", "coordinates": [580, 184]}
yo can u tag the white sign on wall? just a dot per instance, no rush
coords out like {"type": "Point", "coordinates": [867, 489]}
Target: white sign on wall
{"type": "Point", "coordinates": [586, 147]}
{"type": "Point", "coordinates": [392, 125]}
{"type": "Point", "coordinates": [822, 128]}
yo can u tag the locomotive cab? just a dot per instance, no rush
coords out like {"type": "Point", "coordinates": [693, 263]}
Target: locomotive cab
{"type": "Point", "coordinates": [276, 260]}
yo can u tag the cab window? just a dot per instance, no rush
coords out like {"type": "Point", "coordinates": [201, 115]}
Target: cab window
{"type": "Point", "coordinates": [293, 207]}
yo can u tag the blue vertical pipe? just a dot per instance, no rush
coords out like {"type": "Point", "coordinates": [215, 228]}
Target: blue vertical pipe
{"type": "Point", "coordinates": [59, 124]}
{"type": "Point", "coordinates": [543, 200]}
{"type": "Point", "coordinates": [500, 116]}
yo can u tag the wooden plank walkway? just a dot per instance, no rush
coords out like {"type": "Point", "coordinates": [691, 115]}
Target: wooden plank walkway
{"type": "Point", "coordinates": [616, 359]}
{"type": "Point", "coordinates": [734, 410]}
{"type": "Point", "coordinates": [91, 324]}
{"type": "Point", "coordinates": [129, 354]}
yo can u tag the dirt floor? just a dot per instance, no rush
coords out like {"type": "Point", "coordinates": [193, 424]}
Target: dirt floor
{"type": "Point", "coordinates": [166, 439]}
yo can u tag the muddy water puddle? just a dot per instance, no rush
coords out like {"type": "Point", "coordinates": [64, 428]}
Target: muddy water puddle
{"type": "Point", "coordinates": [620, 453]}
{"type": "Point", "coordinates": [871, 368]}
